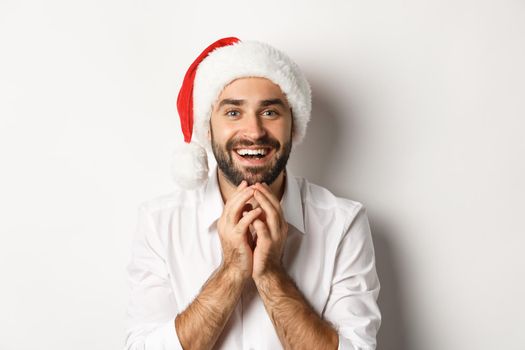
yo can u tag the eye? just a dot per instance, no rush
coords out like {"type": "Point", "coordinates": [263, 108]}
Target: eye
{"type": "Point", "coordinates": [232, 113]}
{"type": "Point", "coordinates": [270, 113]}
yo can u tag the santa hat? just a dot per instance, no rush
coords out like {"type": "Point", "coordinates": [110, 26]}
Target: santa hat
{"type": "Point", "coordinates": [218, 65]}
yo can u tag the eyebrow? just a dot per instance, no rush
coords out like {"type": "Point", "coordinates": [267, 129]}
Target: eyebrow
{"type": "Point", "coordinates": [263, 103]}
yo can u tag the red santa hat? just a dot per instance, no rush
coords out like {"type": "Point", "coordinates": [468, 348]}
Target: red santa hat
{"type": "Point", "coordinates": [218, 65]}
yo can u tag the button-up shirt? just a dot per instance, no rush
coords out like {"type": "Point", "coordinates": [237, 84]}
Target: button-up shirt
{"type": "Point", "coordinates": [328, 253]}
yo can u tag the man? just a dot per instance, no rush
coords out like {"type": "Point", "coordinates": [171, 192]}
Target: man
{"type": "Point", "coordinates": [250, 257]}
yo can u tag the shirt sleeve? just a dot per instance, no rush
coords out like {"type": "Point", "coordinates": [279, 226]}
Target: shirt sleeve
{"type": "Point", "coordinates": [151, 311]}
{"type": "Point", "coordinates": [352, 304]}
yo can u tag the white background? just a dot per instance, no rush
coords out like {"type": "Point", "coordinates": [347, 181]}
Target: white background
{"type": "Point", "coordinates": [418, 112]}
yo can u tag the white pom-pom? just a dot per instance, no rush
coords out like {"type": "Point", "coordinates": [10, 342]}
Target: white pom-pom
{"type": "Point", "coordinates": [189, 165]}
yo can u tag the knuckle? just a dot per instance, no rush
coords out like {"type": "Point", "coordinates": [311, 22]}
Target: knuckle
{"type": "Point", "coordinates": [240, 227]}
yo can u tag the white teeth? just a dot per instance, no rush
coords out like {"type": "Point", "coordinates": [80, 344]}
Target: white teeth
{"type": "Point", "coordinates": [251, 152]}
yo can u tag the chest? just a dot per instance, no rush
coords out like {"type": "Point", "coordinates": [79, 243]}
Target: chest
{"type": "Point", "coordinates": [193, 255]}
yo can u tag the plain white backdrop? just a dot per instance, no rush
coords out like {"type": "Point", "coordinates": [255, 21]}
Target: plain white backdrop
{"type": "Point", "coordinates": [418, 112]}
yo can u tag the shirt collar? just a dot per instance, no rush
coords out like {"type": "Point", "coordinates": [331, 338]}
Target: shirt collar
{"type": "Point", "coordinates": [291, 202]}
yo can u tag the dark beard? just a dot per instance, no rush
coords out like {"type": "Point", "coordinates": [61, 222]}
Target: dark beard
{"type": "Point", "coordinates": [267, 174]}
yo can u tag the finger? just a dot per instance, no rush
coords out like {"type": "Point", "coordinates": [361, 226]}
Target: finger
{"type": "Point", "coordinates": [243, 186]}
{"type": "Point", "coordinates": [251, 239]}
{"type": "Point", "coordinates": [235, 204]}
{"type": "Point", "coordinates": [261, 229]}
{"type": "Point", "coordinates": [271, 197]}
{"type": "Point", "coordinates": [247, 219]}
{"type": "Point", "coordinates": [273, 217]}
{"type": "Point", "coordinates": [239, 190]}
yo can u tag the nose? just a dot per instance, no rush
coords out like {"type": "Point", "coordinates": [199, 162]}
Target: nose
{"type": "Point", "coordinates": [253, 127]}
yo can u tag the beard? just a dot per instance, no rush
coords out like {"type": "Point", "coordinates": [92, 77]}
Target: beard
{"type": "Point", "coordinates": [267, 173]}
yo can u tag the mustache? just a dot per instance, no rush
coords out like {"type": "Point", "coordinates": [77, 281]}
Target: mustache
{"type": "Point", "coordinates": [265, 141]}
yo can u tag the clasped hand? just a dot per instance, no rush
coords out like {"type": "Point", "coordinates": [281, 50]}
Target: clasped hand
{"type": "Point", "coordinates": [246, 255]}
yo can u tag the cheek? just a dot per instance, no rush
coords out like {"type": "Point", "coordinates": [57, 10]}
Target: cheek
{"type": "Point", "coordinates": [223, 132]}
{"type": "Point", "coordinates": [220, 137]}
{"type": "Point", "coordinates": [283, 131]}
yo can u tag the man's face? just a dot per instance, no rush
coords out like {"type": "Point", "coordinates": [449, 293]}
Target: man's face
{"type": "Point", "coordinates": [251, 131]}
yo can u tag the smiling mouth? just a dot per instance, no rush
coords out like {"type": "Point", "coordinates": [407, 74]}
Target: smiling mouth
{"type": "Point", "coordinates": [254, 156]}
{"type": "Point", "coordinates": [252, 153]}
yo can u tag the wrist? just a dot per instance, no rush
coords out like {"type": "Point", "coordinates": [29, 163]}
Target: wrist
{"type": "Point", "coordinates": [233, 272]}
{"type": "Point", "coordinates": [273, 273]}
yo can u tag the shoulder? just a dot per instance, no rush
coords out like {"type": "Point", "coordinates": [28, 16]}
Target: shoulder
{"type": "Point", "coordinates": [322, 198]}
{"type": "Point", "coordinates": [319, 198]}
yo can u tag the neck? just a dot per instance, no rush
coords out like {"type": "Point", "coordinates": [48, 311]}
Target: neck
{"type": "Point", "coordinates": [228, 189]}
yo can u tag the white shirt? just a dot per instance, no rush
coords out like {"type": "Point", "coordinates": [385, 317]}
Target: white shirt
{"type": "Point", "coordinates": [329, 254]}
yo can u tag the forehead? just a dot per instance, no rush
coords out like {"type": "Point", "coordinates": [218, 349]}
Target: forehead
{"type": "Point", "coordinates": [255, 88]}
